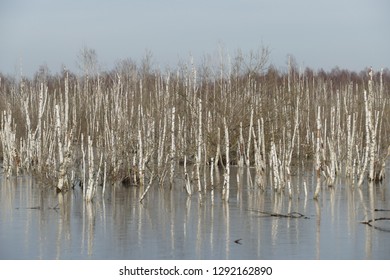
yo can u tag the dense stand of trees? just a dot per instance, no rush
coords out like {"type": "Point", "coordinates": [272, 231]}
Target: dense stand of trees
{"type": "Point", "coordinates": [137, 123]}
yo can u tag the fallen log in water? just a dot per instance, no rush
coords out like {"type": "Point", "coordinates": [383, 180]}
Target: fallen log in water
{"type": "Point", "coordinates": [381, 228]}
{"type": "Point", "coordinates": [288, 215]}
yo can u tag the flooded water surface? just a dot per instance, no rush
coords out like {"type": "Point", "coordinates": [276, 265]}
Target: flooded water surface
{"type": "Point", "coordinates": [37, 223]}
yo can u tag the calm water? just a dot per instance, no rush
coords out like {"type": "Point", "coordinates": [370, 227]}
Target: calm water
{"type": "Point", "coordinates": [36, 223]}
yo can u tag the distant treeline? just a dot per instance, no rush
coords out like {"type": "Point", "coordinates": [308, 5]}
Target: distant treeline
{"type": "Point", "coordinates": [131, 71]}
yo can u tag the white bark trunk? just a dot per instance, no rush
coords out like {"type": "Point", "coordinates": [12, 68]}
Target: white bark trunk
{"type": "Point", "coordinates": [368, 137]}
{"type": "Point", "coordinates": [318, 154]}
{"type": "Point", "coordinates": [247, 159]}
{"type": "Point", "coordinates": [173, 148]}
{"type": "Point", "coordinates": [226, 183]}
{"type": "Point", "coordinates": [199, 148]}
{"type": "Point", "coordinates": [218, 153]}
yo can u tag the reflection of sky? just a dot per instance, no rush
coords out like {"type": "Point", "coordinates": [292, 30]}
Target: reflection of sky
{"type": "Point", "coordinates": [320, 34]}
{"type": "Point", "coordinates": [169, 225]}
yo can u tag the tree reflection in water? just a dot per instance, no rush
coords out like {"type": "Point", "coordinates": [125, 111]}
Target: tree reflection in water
{"type": "Point", "coordinates": [37, 223]}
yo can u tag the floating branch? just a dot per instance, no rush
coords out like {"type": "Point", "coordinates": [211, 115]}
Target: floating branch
{"type": "Point", "coordinates": [371, 221]}
{"type": "Point", "coordinates": [238, 241]}
{"type": "Point", "coordinates": [288, 215]}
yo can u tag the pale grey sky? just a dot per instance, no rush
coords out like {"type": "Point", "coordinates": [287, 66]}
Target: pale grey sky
{"type": "Point", "coordinates": [319, 34]}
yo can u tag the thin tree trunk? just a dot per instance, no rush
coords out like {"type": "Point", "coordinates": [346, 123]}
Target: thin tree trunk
{"type": "Point", "coordinates": [226, 183]}
{"type": "Point", "coordinates": [318, 155]}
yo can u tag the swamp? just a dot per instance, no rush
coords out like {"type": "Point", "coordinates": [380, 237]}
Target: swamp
{"type": "Point", "coordinates": [231, 159]}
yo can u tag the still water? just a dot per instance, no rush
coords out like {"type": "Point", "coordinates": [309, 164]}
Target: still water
{"type": "Point", "coordinates": [36, 223]}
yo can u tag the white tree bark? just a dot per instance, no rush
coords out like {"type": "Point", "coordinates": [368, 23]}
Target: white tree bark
{"type": "Point", "coordinates": [318, 154]}
{"type": "Point", "coordinates": [247, 159]}
{"type": "Point", "coordinates": [141, 164]}
{"type": "Point", "coordinates": [63, 182]}
{"type": "Point", "coordinates": [160, 151]}
{"type": "Point", "coordinates": [275, 167]}
{"type": "Point", "coordinates": [240, 149]}
{"type": "Point", "coordinates": [186, 177]}
{"type": "Point", "coordinates": [39, 143]}
{"type": "Point", "coordinates": [368, 139]}
{"type": "Point", "coordinates": [11, 158]}
{"type": "Point", "coordinates": [226, 183]}
{"type": "Point", "coordinates": [173, 148]}
{"type": "Point", "coordinates": [373, 131]}
{"type": "Point", "coordinates": [199, 148]}
{"type": "Point", "coordinates": [331, 170]}
{"type": "Point", "coordinates": [259, 156]}
{"type": "Point", "coordinates": [350, 144]}
{"type": "Point", "coordinates": [218, 153]}
{"type": "Point", "coordinates": [90, 188]}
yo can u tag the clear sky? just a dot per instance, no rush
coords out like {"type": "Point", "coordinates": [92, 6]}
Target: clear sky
{"type": "Point", "coordinates": [350, 34]}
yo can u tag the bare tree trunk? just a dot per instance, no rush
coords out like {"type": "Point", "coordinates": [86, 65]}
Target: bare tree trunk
{"type": "Point", "coordinates": [350, 145]}
{"type": "Point", "coordinates": [91, 187]}
{"type": "Point", "coordinates": [199, 148]}
{"type": "Point", "coordinates": [173, 148]}
{"type": "Point", "coordinates": [259, 156]}
{"type": "Point", "coordinates": [218, 153]}
{"type": "Point", "coordinates": [318, 154]}
{"type": "Point", "coordinates": [186, 177]}
{"type": "Point", "coordinates": [226, 183]}
{"type": "Point", "coordinates": [368, 139]}
{"type": "Point", "coordinates": [63, 182]}
{"type": "Point", "coordinates": [141, 164]}
{"type": "Point", "coordinates": [275, 168]}
{"type": "Point", "coordinates": [373, 131]}
{"type": "Point", "coordinates": [248, 147]}
{"type": "Point", "coordinates": [240, 149]}
{"type": "Point", "coordinates": [11, 158]}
